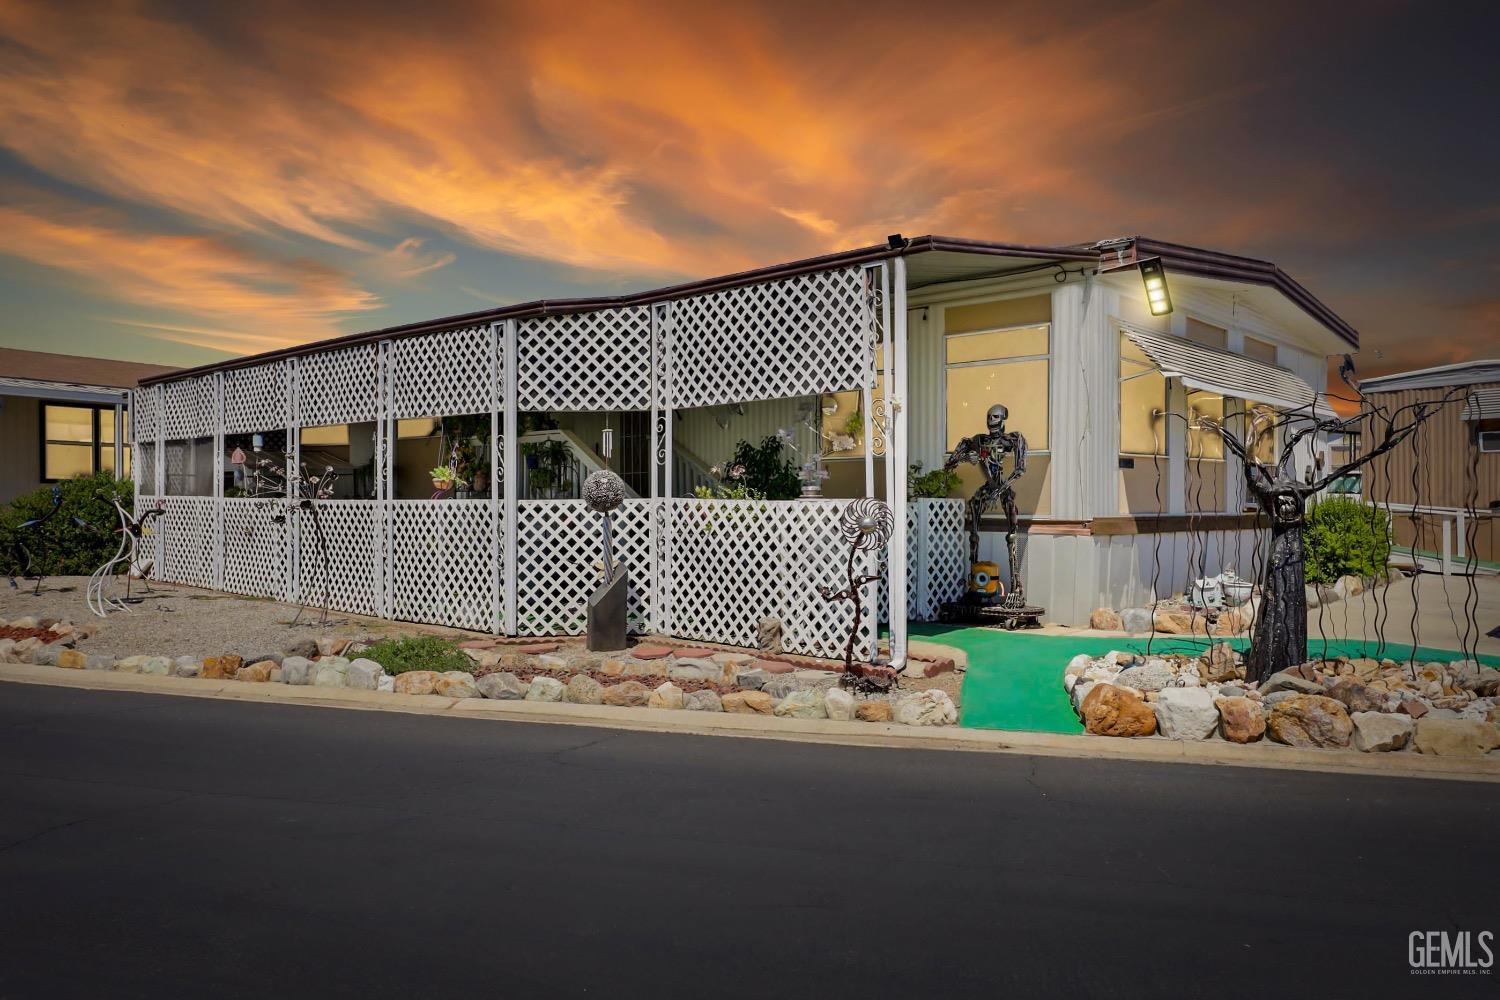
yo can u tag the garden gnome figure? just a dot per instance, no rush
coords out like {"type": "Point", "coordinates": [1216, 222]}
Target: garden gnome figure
{"type": "Point", "coordinates": [603, 492]}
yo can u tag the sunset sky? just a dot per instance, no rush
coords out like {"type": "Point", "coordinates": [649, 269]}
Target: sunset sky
{"type": "Point", "coordinates": [181, 181]}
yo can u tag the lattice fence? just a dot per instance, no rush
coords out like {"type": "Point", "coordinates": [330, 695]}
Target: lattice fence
{"type": "Point", "coordinates": [442, 373]}
{"type": "Point", "coordinates": [795, 337]}
{"type": "Point", "coordinates": [937, 558]}
{"type": "Point", "coordinates": [145, 413]}
{"type": "Point", "coordinates": [255, 548]}
{"type": "Point", "coordinates": [558, 560]}
{"type": "Point", "coordinates": [188, 408]}
{"type": "Point", "coordinates": [187, 540]}
{"type": "Point", "coordinates": [442, 562]}
{"type": "Point", "coordinates": [255, 398]}
{"type": "Point", "coordinates": [599, 360]}
{"type": "Point", "coordinates": [353, 567]}
{"type": "Point", "coordinates": [338, 387]}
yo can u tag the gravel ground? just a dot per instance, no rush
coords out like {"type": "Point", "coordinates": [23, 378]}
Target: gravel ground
{"type": "Point", "coordinates": [174, 620]}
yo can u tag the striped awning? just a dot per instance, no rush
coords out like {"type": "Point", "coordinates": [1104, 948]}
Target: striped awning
{"type": "Point", "coordinates": [1210, 370]}
{"type": "Point", "coordinates": [1482, 404]}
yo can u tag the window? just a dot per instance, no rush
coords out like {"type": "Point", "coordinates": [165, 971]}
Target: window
{"type": "Point", "coordinates": [1260, 350]}
{"type": "Point", "coordinates": [1205, 486]}
{"type": "Point", "coordinates": [79, 440]}
{"type": "Point", "coordinates": [347, 449]}
{"type": "Point", "coordinates": [424, 443]}
{"type": "Point", "coordinates": [251, 449]}
{"type": "Point", "coordinates": [998, 366]}
{"type": "Point", "coordinates": [190, 467]}
{"type": "Point", "coordinates": [1143, 402]}
{"type": "Point", "coordinates": [1207, 334]}
{"type": "Point", "coordinates": [1260, 423]}
{"type": "Point", "coordinates": [1489, 441]}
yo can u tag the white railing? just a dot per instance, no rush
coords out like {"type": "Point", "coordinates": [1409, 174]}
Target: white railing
{"type": "Point", "coordinates": [1453, 523]}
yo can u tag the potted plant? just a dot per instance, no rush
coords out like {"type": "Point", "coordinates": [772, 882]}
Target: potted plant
{"type": "Point", "coordinates": [445, 477]}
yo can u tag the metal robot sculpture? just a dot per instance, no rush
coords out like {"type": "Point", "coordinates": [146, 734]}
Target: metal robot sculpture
{"type": "Point", "coordinates": [986, 599]}
{"type": "Point", "coordinates": [603, 492]}
{"type": "Point", "coordinates": [129, 554]}
{"type": "Point", "coordinates": [866, 524]}
{"type": "Point", "coordinates": [22, 556]}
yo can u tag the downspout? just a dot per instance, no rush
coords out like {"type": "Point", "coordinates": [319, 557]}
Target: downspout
{"type": "Point", "coordinates": [896, 457]}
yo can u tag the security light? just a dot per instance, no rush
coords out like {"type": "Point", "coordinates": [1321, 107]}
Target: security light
{"type": "Point", "coordinates": [1155, 277]}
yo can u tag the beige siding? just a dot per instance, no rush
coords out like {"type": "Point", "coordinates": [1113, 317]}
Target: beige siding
{"type": "Point", "coordinates": [20, 458]}
{"type": "Point", "coordinates": [1441, 453]}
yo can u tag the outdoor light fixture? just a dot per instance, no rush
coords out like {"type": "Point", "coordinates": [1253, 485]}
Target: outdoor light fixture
{"type": "Point", "coordinates": [1155, 277]}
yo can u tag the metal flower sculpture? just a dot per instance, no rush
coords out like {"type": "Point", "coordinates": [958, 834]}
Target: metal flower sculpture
{"type": "Point", "coordinates": [24, 557]}
{"type": "Point", "coordinates": [867, 525]}
{"type": "Point", "coordinates": [133, 531]}
{"type": "Point", "coordinates": [603, 492]}
{"type": "Point", "coordinates": [288, 493]}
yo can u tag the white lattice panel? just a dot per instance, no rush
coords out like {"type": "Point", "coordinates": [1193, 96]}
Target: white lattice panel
{"type": "Point", "coordinates": [188, 542]}
{"type": "Point", "coordinates": [944, 556]}
{"type": "Point", "coordinates": [188, 409]}
{"type": "Point", "coordinates": [442, 562]}
{"type": "Point", "coordinates": [353, 571]}
{"type": "Point", "coordinates": [558, 557]}
{"type": "Point", "coordinates": [255, 398]}
{"type": "Point", "coordinates": [143, 466]}
{"type": "Point", "coordinates": [145, 413]}
{"type": "Point", "coordinates": [794, 337]}
{"type": "Point", "coordinates": [599, 360]}
{"type": "Point", "coordinates": [437, 374]}
{"type": "Point", "coordinates": [255, 549]}
{"type": "Point", "coordinates": [338, 387]}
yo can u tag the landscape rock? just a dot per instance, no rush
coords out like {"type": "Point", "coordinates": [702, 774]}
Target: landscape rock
{"type": "Point", "coordinates": [328, 675]}
{"type": "Point", "coordinates": [752, 677]}
{"type": "Point", "coordinates": [1240, 719]}
{"type": "Point", "coordinates": [706, 700]}
{"type": "Point", "coordinates": [129, 664]}
{"type": "Point", "coordinates": [297, 670]}
{"type": "Point", "coordinates": [363, 675]}
{"type": "Point", "coordinates": [1153, 675]}
{"type": "Point", "coordinates": [99, 661]}
{"type": "Point", "coordinates": [1105, 620]}
{"type": "Point", "coordinates": [1116, 711]}
{"type": "Point", "coordinates": [1310, 720]}
{"type": "Point", "coordinates": [1356, 696]}
{"type": "Point", "coordinates": [386, 684]}
{"type": "Point", "coordinates": [807, 704]}
{"type": "Point", "coordinates": [877, 710]}
{"type": "Point", "coordinates": [187, 666]}
{"type": "Point", "coordinates": [581, 690]}
{"type": "Point", "coordinates": [1222, 663]}
{"type": "Point", "coordinates": [332, 645]}
{"type": "Point", "coordinates": [502, 686]}
{"type": "Point", "coordinates": [646, 668]}
{"type": "Point", "coordinates": [1413, 708]}
{"type": "Point", "coordinates": [1455, 737]}
{"type": "Point", "coordinates": [72, 659]}
{"type": "Point", "coordinates": [666, 695]}
{"type": "Point", "coordinates": [1380, 731]}
{"type": "Point", "coordinates": [1136, 620]}
{"type": "Point", "coordinates": [749, 703]}
{"type": "Point", "coordinates": [627, 694]}
{"type": "Point", "coordinates": [1286, 680]}
{"type": "Point", "coordinates": [256, 673]}
{"type": "Point", "coordinates": [839, 704]}
{"type": "Point", "coordinates": [304, 648]}
{"type": "Point", "coordinates": [47, 656]}
{"type": "Point", "coordinates": [779, 687]}
{"type": "Point", "coordinates": [219, 668]}
{"type": "Point", "coordinates": [1185, 713]}
{"type": "Point", "coordinates": [544, 689]}
{"type": "Point", "coordinates": [456, 684]}
{"type": "Point", "coordinates": [926, 708]}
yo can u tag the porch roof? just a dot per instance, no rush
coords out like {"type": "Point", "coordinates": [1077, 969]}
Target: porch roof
{"type": "Point", "coordinates": [1227, 374]}
{"type": "Point", "coordinates": [37, 388]}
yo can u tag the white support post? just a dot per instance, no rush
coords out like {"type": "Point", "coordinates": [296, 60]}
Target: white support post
{"type": "Point", "coordinates": [158, 401]}
{"type": "Point", "coordinates": [1460, 529]}
{"type": "Point", "coordinates": [498, 471]}
{"type": "Point", "coordinates": [1447, 547]}
{"type": "Point", "coordinates": [658, 458]}
{"type": "Point", "coordinates": [661, 319]}
{"type": "Point", "coordinates": [895, 462]}
{"type": "Point", "coordinates": [218, 491]}
{"type": "Point", "coordinates": [293, 465]}
{"type": "Point", "coordinates": [874, 288]}
{"type": "Point", "coordinates": [385, 516]}
{"type": "Point", "coordinates": [120, 443]}
{"type": "Point", "coordinates": [512, 470]}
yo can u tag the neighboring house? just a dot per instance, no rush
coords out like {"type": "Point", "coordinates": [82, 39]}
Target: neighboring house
{"type": "Point", "coordinates": [62, 416]}
{"type": "Point", "coordinates": [1454, 464]}
{"type": "Point", "coordinates": [893, 350]}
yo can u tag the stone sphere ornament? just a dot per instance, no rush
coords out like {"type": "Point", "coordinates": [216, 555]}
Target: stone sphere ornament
{"type": "Point", "coordinates": [603, 491]}
{"type": "Point", "coordinates": [867, 524]}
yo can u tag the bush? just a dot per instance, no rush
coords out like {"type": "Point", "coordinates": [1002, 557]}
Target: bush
{"type": "Point", "coordinates": [1345, 538]}
{"type": "Point", "coordinates": [75, 541]}
{"type": "Point", "coordinates": [755, 473]}
{"type": "Point", "coordinates": [937, 483]}
{"type": "Point", "coordinates": [422, 652]}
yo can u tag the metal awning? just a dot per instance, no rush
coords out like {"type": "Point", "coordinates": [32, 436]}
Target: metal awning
{"type": "Point", "coordinates": [38, 388]}
{"type": "Point", "coordinates": [1482, 404]}
{"type": "Point", "coordinates": [1210, 370]}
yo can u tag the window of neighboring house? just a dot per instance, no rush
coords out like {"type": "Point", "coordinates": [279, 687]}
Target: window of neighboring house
{"type": "Point", "coordinates": [239, 477]}
{"type": "Point", "coordinates": [425, 443]}
{"type": "Point", "coordinates": [1207, 334]}
{"type": "Point", "coordinates": [1260, 350]}
{"type": "Point", "coordinates": [1489, 441]}
{"type": "Point", "coordinates": [347, 449]}
{"type": "Point", "coordinates": [189, 466]}
{"type": "Point", "coordinates": [79, 441]}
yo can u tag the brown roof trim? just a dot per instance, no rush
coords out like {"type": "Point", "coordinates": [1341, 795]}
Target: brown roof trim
{"type": "Point", "coordinates": [1186, 259]}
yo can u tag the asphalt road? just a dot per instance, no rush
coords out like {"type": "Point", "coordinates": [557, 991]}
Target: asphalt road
{"type": "Point", "coordinates": [177, 847]}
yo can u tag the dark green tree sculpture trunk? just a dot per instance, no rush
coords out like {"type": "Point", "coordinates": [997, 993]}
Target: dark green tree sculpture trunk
{"type": "Point", "coordinates": [1280, 638]}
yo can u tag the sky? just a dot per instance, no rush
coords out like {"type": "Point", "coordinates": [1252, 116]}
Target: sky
{"type": "Point", "coordinates": [183, 182]}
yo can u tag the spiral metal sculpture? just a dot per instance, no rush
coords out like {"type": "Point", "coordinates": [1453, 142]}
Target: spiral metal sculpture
{"type": "Point", "coordinates": [867, 525]}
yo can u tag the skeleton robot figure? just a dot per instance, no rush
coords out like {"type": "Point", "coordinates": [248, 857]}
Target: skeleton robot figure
{"type": "Point", "coordinates": [988, 451]}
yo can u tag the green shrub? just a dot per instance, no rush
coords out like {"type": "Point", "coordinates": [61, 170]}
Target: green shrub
{"type": "Point", "coordinates": [63, 546]}
{"type": "Point", "coordinates": [1345, 538]}
{"type": "Point", "coordinates": [757, 472]}
{"type": "Point", "coordinates": [421, 652]}
{"type": "Point", "coordinates": [937, 483]}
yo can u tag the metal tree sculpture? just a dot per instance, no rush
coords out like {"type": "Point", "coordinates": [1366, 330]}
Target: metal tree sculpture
{"type": "Point", "coordinates": [22, 556]}
{"type": "Point", "coordinates": [288, 494]}
{"type": "Point", "coordinates": [866, 524]}
{"type": "Point", "coordinates": [1279, 640]}
{"type": "Point", "coordinates": [132, 532]}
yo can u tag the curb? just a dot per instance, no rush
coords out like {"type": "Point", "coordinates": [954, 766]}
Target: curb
{"type": "Point", "coordinates": [865, 734]}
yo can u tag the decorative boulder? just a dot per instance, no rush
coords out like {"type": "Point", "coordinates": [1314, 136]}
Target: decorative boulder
{"type": "Point", "coordinates": [1356, 696]}
{"type": "Point", "coordinates": [1240, 720]}
{"type": "Point", "coordinates": [839, 704]}
{"type": "Point", "coordinates": [1310, 720]}
{"type": "Point", "coordinates": [666, 695]}
{"type": "Point", "coordinates": [1117, 711]}
{"type": "Point", "coordinates": [926, 708]}
{"type": "Point", "coordinates": [779, 687]}
{"type": "Point", "coordinates": [1153, 675]}
{"type": "Point", "coordinates": [502, 686]}
{"type": "Point", "coordinates": [256, 673]}
{"type": "Point", "coordinates": [1456, 737]}
{"type": "Point", "coordinates": [545, 689]}
{"type": "Point", "coordinates": [455, 684]}
{"type": "Point", "coordinates": [188, 666]}
{"type": "Point", "coordinates": [1286, 680]}
{"type": "Point", "coordinates": [706, 700]}
{"type": "Point", "coordinates": [220, 668]}
{"type": "Point", "coordinates": [1185, 713]}
{"type": "Point", "coordinates": [807, 704]}
{"type": "Point", "coordinates": [129, 664]}
{"type": "Point", "coordinates": [1136, 620]}
{"type": "Point", "coordinates": [749, 703]}
{"type": "Point", "coordinates": [627, 694]}
{"type": "Point", "coordinates": [581, 690]}
{"type": "Point", "coordinates": [1380, 731]}
{"type": "Point", "coordinates": [1105, 620]}
{"type": "Point", "coordinates": [362, 674]}
{"type": "Point", "coordinates": [876, 710]}
{"type": "Point", "coordinates": [1221, 664]}
{"type": "Point", "coordinates": [72, 659]}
